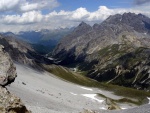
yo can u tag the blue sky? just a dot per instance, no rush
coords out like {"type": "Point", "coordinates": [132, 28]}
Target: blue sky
{"type": "Point", "coordinates": [93, 5]}
{"type": "Point", "coordinates": [23, 15]}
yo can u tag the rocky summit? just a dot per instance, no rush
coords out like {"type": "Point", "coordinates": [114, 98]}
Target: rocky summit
{"type": "Point", "coordinates": [9, 103]}
{"type": "Point", "coordinates": [115, 51]}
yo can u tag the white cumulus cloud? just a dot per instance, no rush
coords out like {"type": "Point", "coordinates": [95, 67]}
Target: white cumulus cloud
{"type": "Point", "coordinates": [25, 18]}
{"type": "Point", "coordinates": [80, 13]}
{"type": "Point", "coordinates": [26, 5]}
{"type": "Point", "coordinates": [38, 5]}
{"type": "Point", "coordinates": [35, 20]}
{"type": "Point", "coordinates": [6, 5]}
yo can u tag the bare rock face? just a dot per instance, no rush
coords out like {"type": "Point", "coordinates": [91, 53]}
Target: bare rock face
{"type": "Point", "coordinates": [7, 69]}
{"type": "Point", "coordinates": [9, 103]}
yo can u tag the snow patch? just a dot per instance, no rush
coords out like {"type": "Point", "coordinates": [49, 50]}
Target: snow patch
{"type": "Point", "coordinates": [92, 96]}
{"type": "Point", "coordinates": [50, 58]}
{"type": "Point", "coordinates": [123, 108]}
{"type": "Point", "coordinates": [89, 89]}
{"type": "Point", "coordinates": [75, 69]}
{"type": "Point", "coordinates": [103, 108]}
{"type": "Point", "coordinates": [100, 91]}
{"type": "Point", "coordinates": [73, 93]}
{"type": "Point", "coordinates": [148, 99]}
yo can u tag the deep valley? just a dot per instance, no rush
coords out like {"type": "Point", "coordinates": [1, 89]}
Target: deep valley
{"type": "Point", "coordinates": [100, 68]}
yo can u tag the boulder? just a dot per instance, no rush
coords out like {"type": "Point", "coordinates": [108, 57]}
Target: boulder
{"type": "Point", "coordinates": [9, 103]}
{"type": "Point", "coordinates": [7, 68]}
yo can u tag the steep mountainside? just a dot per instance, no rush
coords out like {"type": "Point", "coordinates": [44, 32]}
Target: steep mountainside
{"type": "Point", "coordinates": [115, 51]}
{"type": "Point", "coordinates": [21, 51]}
{"type": "Point", "coordinates": [69, 45]}
{"type": "Point", "coordinates": [117, 29]}
{"type": "Point", "coordinates": [43, 41]}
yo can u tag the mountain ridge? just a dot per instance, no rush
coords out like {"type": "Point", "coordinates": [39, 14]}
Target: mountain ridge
{"type": "Point", "coordinates": [118, 36]}
{"type": "Point", "coordinates": [43, 41]}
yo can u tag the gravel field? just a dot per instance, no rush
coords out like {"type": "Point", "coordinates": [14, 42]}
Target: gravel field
{"type": "Point", "coordinates": [42, 92]}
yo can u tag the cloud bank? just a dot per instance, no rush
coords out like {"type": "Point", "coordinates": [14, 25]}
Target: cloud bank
{"type": "Point", "coordinates": [29, 16]}
{"type": "Point", "coordinates": [26, 5]}
{"type": "Point", "coordinates": [6, 5]}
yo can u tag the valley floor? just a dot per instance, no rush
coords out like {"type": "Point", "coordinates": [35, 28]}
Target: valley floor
{"type": "Point", "coordinates": [42, 92]}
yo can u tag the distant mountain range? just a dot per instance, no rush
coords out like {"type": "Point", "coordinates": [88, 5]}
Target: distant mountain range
{"type": "Point", "coordinates": [43, 41]}
{"type": "Point", "coordinates": [115, 51]}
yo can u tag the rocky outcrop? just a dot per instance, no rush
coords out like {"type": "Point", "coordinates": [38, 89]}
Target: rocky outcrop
{"type": "Point", "coordinates": [140, 23]}
{"type": "Point", "coordinates": [9, 103]}
{"type": "Point", "coordinates": [7, 69]}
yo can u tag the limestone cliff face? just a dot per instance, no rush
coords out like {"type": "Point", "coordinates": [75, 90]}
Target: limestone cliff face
{"type": "Point", "coordinates": [9, 103]}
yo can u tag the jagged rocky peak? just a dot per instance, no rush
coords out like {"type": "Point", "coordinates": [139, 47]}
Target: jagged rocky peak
{"type": "Point", "coordinates": [115, 29]}
{"type": "Point", "coordinates": [125, 17]}
{"type": "Point", "coordinates": [95, 26]}
{"type": "Point", "coordinates": [83, 24]}
{"type": "Point", "coordinates": [139, 22]}
{"type": "Point", "coordinates": [65, 42]}
{"type": "Point", "coordinates": [82, 28]}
